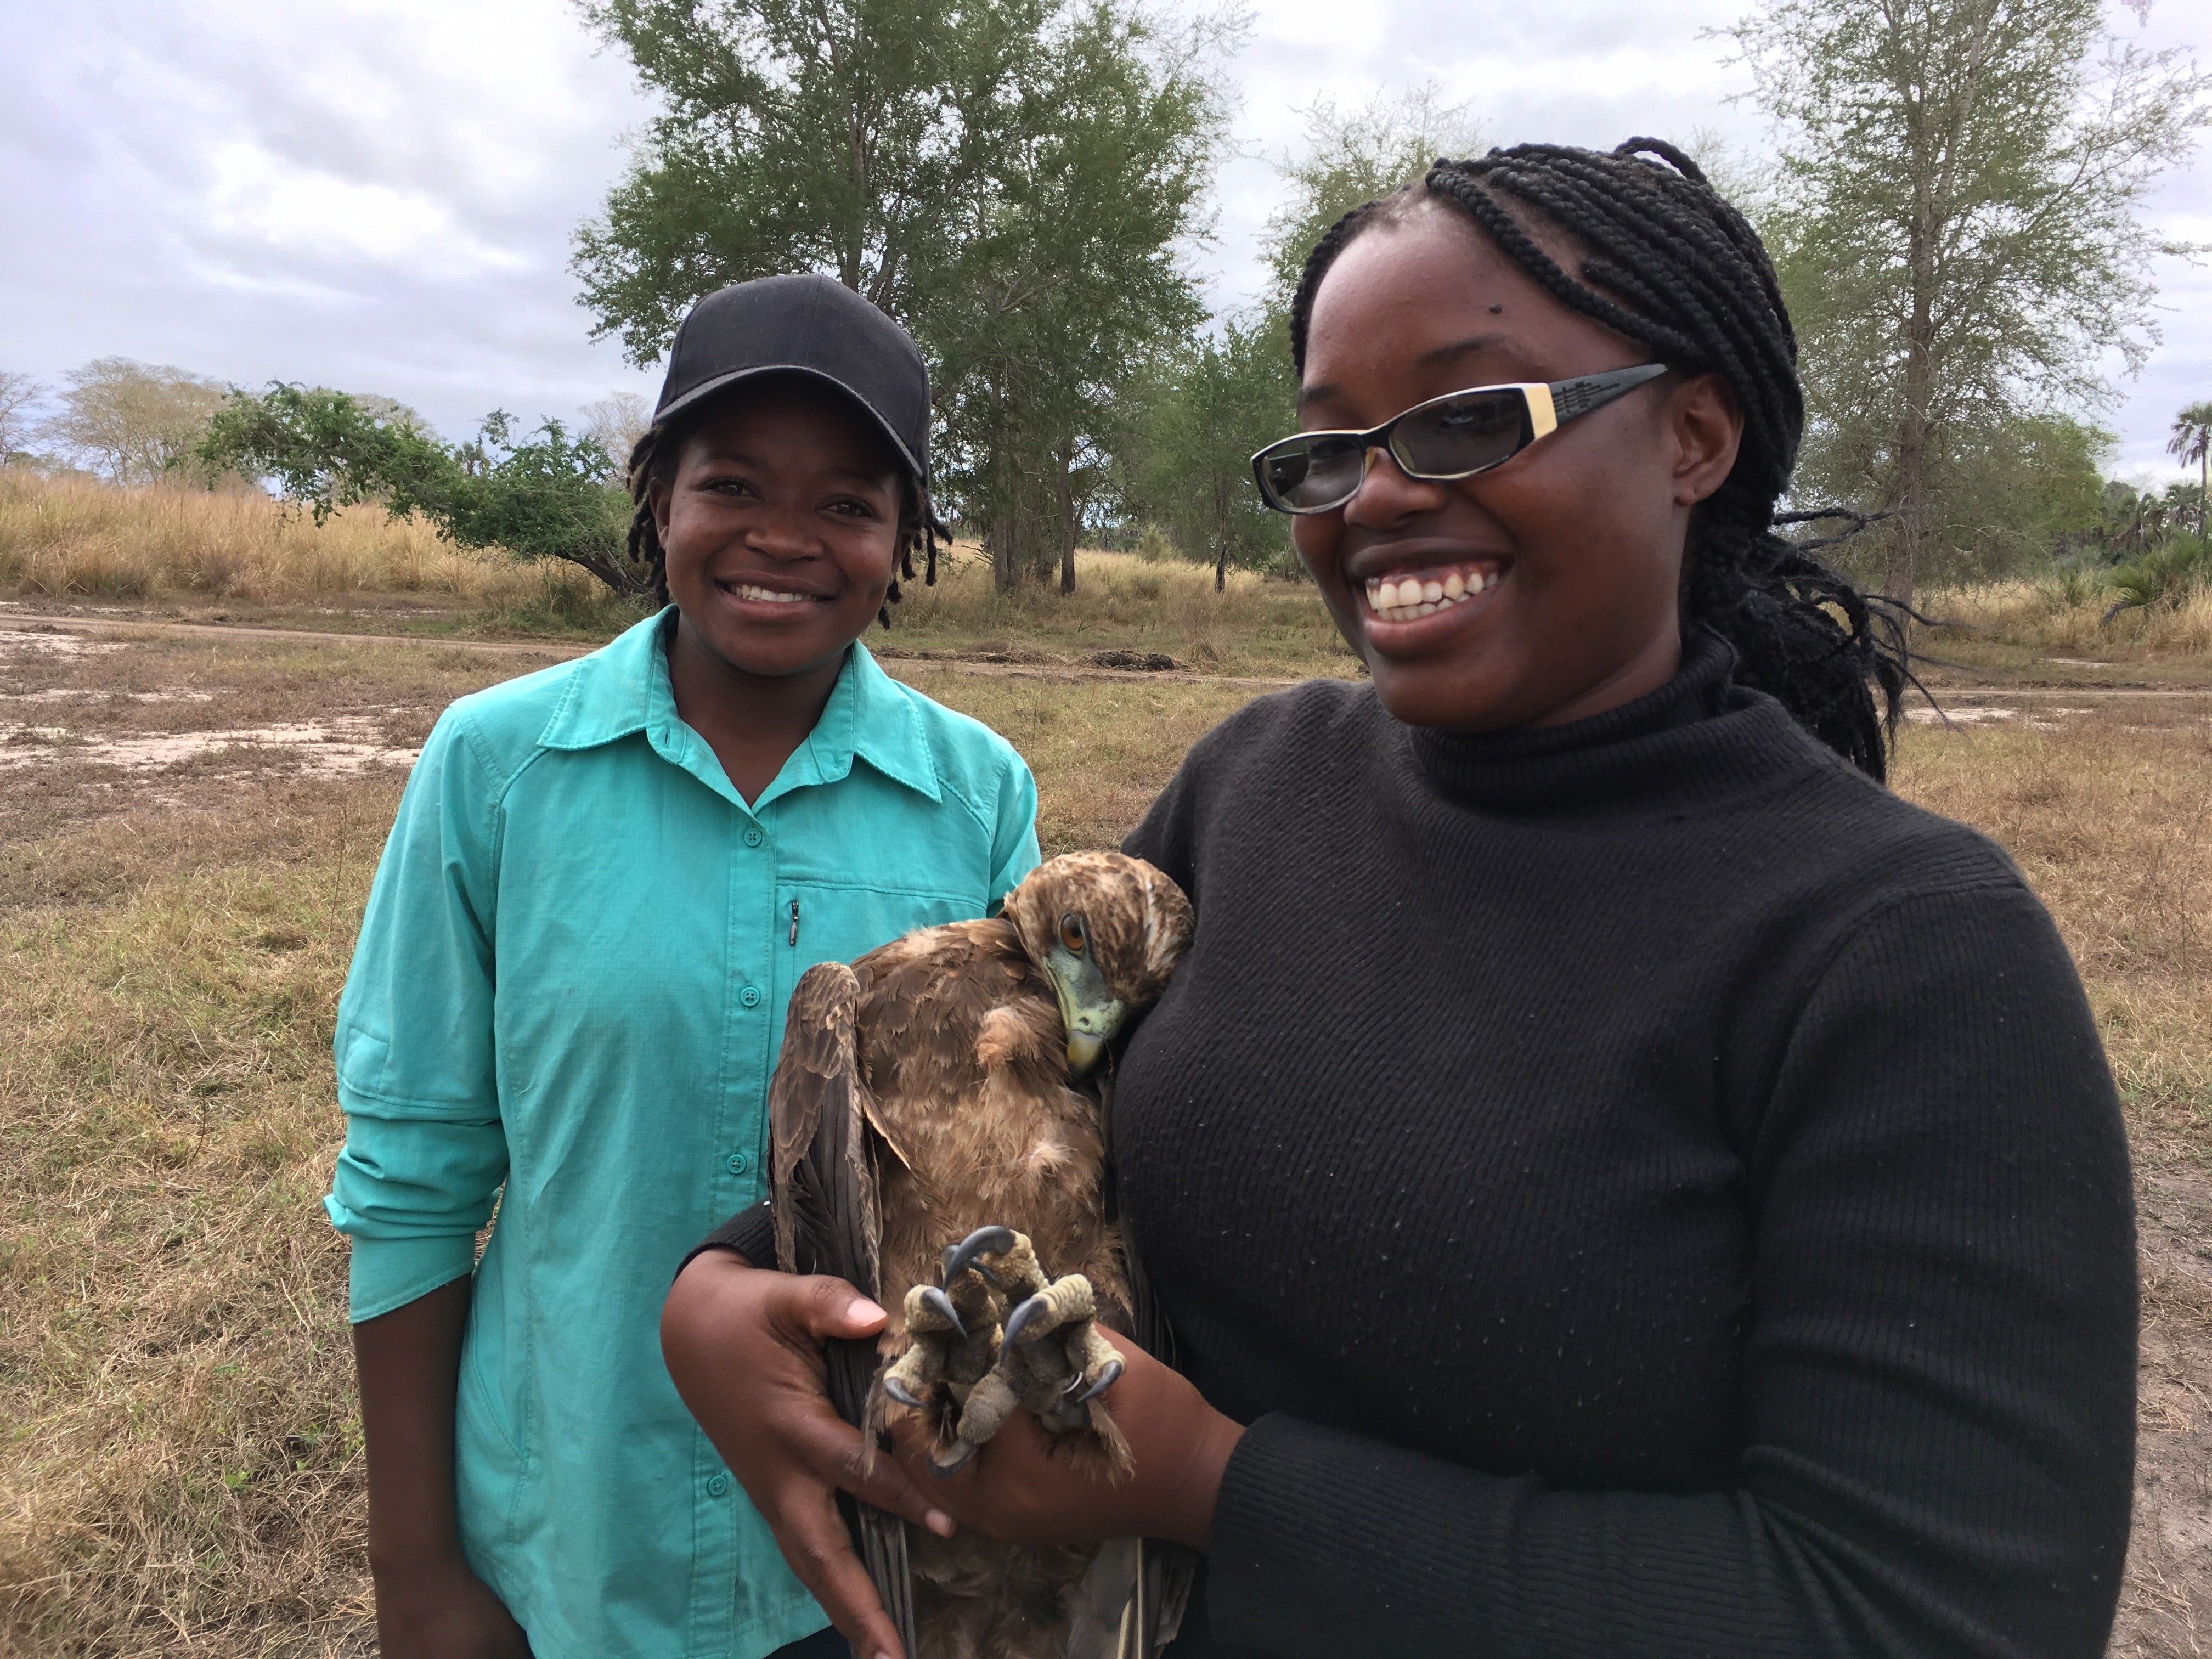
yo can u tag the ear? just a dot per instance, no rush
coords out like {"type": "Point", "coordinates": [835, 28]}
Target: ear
{"type": "Point", "coordinates": [657, 494]}
{"type": "Point", "coordinates": [1706, 425]}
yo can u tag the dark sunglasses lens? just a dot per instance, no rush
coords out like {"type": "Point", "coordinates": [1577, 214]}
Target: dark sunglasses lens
{"type": "Point", "coordinates": [1305, 474]}
{"type": "Point", "coordinates": [1461, 434]}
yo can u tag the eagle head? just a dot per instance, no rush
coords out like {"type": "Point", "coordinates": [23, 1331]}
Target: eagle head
{"type": "Point", "coordinates": [1107, 930]}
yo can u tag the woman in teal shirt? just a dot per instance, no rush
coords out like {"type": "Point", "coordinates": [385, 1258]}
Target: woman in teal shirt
{"type": "Point", "coordinates": [570, 989]}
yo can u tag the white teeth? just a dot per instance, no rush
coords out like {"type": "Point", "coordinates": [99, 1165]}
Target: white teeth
{"type": "Point", "coordinates": [1407, 596]}
{"type": "Point", "coordinates": [747, 591]}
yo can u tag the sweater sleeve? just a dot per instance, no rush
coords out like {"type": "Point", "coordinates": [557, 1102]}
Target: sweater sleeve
{"type": "Point", "coordinates": [1939, 1371]}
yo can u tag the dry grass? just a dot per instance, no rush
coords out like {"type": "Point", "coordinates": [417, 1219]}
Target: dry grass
{"type": "Point", "coordinates": [67, 536]}
{"type": "Point", "coordinates": [179, 1470]}
{"type": "Point", "coordinates": [1121, 602]}
{"type": "Point", "coordinates": [2068, 617]}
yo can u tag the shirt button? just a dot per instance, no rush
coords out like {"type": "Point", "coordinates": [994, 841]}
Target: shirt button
{"type": "Point", "coordinates": [738, 1163]}
{"type": "Point", "coordinates": [752, 837]}
{"type": "Point", "coordinates": [750, 996]}
{"type": "Point", "coordinates": [717, 1485]}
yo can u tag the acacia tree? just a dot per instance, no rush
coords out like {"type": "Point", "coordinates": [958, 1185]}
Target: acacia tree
{"type": "Point", "coordinates": [132, 422]}
{"type": "Point", "coordinates": [19, 395]}
{"type": "Point", "coordinates": [1006, 178]}
{"type": "Point", "coordinates": [1955, 223]}
{"type": "Point", "coordinates": [1065, 282]}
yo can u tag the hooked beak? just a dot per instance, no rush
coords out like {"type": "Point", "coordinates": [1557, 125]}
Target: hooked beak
{"type": "Point", "coordinates": [1091, 1013]}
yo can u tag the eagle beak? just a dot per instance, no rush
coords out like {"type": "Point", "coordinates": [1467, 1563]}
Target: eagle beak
{"type": "Point", "coordinates": [1083, 1052]}
{"type": "Point", "coordinates": [1091, 1013]}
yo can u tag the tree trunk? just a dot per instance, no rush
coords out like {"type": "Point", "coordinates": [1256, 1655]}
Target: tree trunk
{"type": "Point", "coordinates": [1064, 485]}
{"type": "Point", "coordinates": [1913, 423]}
{"type": "Point", "coordinates": [1220, 536]}
{"type": "Point", "coordinates": [1004, 546]}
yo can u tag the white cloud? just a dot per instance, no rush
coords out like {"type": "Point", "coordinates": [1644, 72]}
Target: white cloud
{"type": "Point", "coordinates": [380, 194]}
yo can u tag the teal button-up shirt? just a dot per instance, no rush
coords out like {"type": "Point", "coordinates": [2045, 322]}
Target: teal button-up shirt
{"type": "Point", "coordinates": [569, 992]}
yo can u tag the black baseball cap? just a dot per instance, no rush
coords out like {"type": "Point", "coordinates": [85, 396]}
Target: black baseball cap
{"type": "Point", "coordinates": [805, 324]}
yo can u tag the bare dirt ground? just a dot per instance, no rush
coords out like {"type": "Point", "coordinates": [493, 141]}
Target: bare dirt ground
{"type": "Point", "coordinates": [189, 814]}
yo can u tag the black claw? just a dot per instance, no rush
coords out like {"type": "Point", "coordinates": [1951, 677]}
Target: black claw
{"type": "Point", "coordinates": [1108, 1376]}
{"type": "Point", "coordinates": [984, 1241]}
{"type": "Point", "coordinates": [899, 1391]}
{"type": "Point", "coordinates": [938, 1299]}
{"type": "Point", "coordinates": [962, 1451]}
{"type": "Point", "coordinates": [1021, 1316]}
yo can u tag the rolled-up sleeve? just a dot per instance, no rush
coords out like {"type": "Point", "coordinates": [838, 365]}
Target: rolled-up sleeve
{"type": "Point", "coordinates": [425, 1150]}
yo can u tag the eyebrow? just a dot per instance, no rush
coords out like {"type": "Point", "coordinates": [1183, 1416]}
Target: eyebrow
{"type": "Point", "coordinates": [1435, 357]}
{"type": "Point", "coordinates": [740, 457]}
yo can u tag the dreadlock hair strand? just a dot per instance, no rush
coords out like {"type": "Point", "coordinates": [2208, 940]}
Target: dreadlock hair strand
{"type": "Point", "coordinates": [1664, 259]}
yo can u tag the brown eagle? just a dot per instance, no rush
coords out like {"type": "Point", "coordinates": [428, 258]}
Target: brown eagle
{"type": "Point", "coordinates": [939, 1140]}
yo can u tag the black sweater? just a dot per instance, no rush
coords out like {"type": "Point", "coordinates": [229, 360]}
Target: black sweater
{"type": "Point", "coordinates": [1648, 1190]}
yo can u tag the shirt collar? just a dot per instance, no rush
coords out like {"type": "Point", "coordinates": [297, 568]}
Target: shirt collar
{"type": "Point", "coordinates": [624, 688]}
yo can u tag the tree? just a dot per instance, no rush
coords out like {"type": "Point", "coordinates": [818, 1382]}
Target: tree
{"type": "Point", "coordinates": [132, 422]}
{"type": "Point", "coordinates": [2192, 441]}
{"type": "Point", "coordinates": [1007, 179]}
{"type": "Point", "coordinates": [1356, 157]}
{"type": "Point", "coordinates": [549, 496]}
{"type": "Point", "coordinates": [20, 394]}
{"type": "Point", "coordinates": [617, 421]}
{"type": "Point", "coordinates": [1066, 281]}
{"type": "Point", "coordinates": [2013, 496]}
{"type": "Point", "coordinates": [1955, 223]}
{"type": "Point", "coordinates": [1207, 409]}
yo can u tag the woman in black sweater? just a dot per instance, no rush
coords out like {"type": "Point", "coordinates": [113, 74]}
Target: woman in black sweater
{"type": "Point", "coordinates": [1621, 1182]}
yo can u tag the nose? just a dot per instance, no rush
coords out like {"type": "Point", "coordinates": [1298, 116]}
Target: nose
{"type": "Point", "coordinates": [1386, 496]}
{"type": "Point", "coordinates": [785, 531]}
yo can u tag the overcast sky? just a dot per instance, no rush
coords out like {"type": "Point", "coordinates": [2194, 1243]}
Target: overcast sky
{"type": "Point", "coordinates": [378, 195]}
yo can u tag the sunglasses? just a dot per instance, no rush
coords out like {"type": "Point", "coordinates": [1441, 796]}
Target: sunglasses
{"type": "Point", "coordinates": [1454, 436]}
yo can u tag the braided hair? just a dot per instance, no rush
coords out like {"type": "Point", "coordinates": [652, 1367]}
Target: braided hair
{"type": "Point", "coordinates": [653, 460]}
{"type": "Point", "coordinates": [1667, 261]}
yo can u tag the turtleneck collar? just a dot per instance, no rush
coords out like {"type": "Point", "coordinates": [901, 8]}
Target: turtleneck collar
{"type": "Point", "coordinates": [1697, 739]}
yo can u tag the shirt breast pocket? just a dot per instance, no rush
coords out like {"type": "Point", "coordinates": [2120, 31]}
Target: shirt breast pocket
{"type": "Point", "coordinates": [827, 922]}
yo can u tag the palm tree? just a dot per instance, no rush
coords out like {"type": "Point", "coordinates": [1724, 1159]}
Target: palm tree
{"type": "Point", "coordinates": [2192, 441]}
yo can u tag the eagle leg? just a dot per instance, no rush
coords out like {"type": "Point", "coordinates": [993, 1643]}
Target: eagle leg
{"type": "Point", "coordinates": [952, 1338]}
{"type": "Point", "coordinates": [1056, 1364]}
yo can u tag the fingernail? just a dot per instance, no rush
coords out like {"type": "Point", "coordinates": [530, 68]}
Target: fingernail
{"type": "Point", "coordinates": [940, 1523]}
{"type": "Point", "coordinates": [862, 1310]}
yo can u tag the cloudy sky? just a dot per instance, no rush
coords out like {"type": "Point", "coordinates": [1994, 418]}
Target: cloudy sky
{"type": "Point", "coordinates": [378, 194]}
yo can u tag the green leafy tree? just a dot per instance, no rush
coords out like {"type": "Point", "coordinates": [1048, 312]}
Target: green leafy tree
{"type": "Point", "coordinates": [2013, 496]}
{"type": "Point", "coordinates": [1008, 178]}
{"type": "Point", "coordinates": [1063, 283]}
{"type": "Point", "coordinates": [20, 395]}
{"type": "Point", "coordinates": [1207, 408]}
{"type": "Point", "coordinates": [1956, 224]}
{"type": "Point", "coordinates": [2192, 441]}
{"type": "Point", "coordinates": [1355, 156]}
{"type": "Point", "coordinates": [548, 496]}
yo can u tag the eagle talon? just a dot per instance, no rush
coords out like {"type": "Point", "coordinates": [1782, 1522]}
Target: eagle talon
{"type": "Point", "coordinates": [899, 1391]}
{"type": "Point", "coordinates": [984, 1241]}
{"type": "Point", "coordinates": [1022, 1316]}
{"type": "Point", "coordinates": [962, 1451]}
{"type": "Point", "coordinates": [942, 1304]}
{"type": "Point", "coordinates": [1108, 1375]}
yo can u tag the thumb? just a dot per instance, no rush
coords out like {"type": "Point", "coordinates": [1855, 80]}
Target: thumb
{"type": "Point", "coordinates": [823, 1307]}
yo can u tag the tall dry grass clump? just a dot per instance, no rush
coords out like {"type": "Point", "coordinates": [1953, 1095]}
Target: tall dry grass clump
{"type": "Point", "coordinates": [2068, 612]}
{"type": "Point", "coordinates": [75, 537]}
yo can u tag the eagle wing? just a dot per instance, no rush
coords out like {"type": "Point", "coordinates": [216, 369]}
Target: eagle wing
{"type": "Point", "coordinates": [823, 1155]}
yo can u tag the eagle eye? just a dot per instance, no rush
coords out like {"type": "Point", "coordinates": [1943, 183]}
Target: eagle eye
{"type": "Point", "coordinates": [1071, 932]}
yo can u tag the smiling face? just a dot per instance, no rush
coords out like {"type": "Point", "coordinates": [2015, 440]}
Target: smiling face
{"type": "Point", "coordinates": [781, 527]}
{"type": "Point", "coordinates": [1553, 577]}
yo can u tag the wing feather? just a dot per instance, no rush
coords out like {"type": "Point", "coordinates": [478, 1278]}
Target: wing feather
{"type": "Point", "coordinates": [823, 1175]}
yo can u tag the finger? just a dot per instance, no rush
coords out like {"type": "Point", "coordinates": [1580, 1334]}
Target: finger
{"type": "Point", "coordinates": [819, 1552]}
{"type": "Point", "coordinates": [838, 1453]}
{"type": "Point", "coordinates": [817, 1307]}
